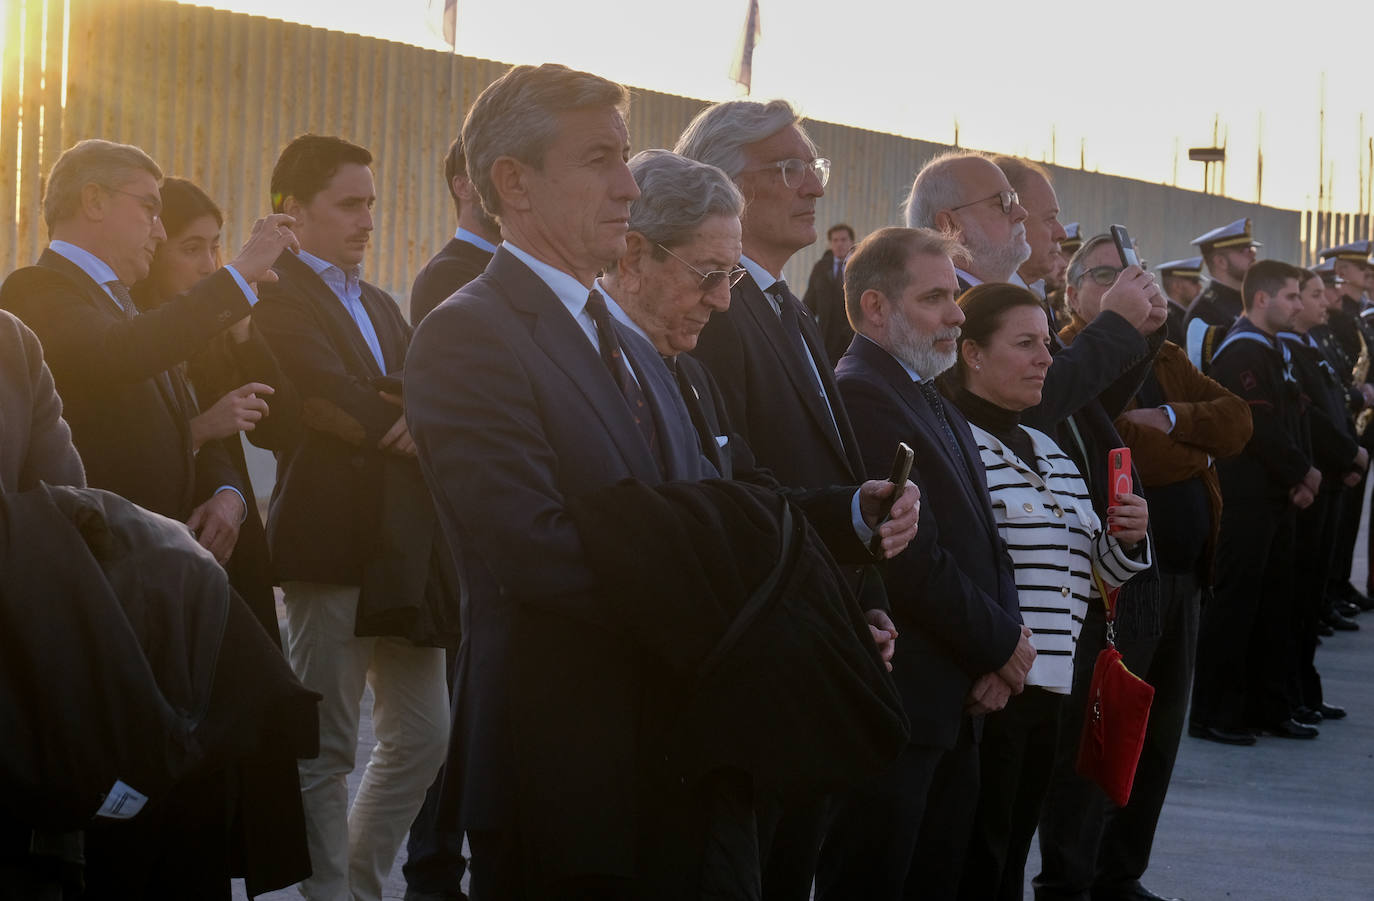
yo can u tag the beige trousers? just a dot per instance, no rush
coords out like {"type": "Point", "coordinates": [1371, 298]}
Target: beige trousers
{"type": "Point", "coordinates": [352, 849]}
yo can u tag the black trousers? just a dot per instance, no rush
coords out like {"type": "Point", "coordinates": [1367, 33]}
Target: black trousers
{"type": "Point", "coordinates": [904, 834]}
{"type": "Point", "coordinates": [1166, 663]}
{"type": "Point", "coordinates": [1312, 568]}
{"type": "Point", "coordinates": [694, 840]}
{"type": "Point", "coordinates": [1071, 816]}
{"type": "Point", "coordinates": [1015, 759]}
{"type": "Point", "coordinates": [1347, 533]}
{"type": "Point", "coordinates": [1246, 652]}
{"type": "Point", "coordinates": [790, 836]}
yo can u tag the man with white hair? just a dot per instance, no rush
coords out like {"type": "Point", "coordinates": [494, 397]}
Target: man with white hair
{"type": "Point", "coordinates": [769, 359]}
{"type": "Point", "coordinates": [965, 193]}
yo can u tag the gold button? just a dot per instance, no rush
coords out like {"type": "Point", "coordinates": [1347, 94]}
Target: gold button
{"type": "Point", "coordinates": [1027, 507]}
{"type": "Point", "coordinates": [1059, 511]}
{"type": "Point", "coordinates": [1064, 591]}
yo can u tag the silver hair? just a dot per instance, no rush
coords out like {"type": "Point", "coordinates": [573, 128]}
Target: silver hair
{"type": "Point", "coordinates": [935, 188]}
{"type": "Point", "coordinates": [517, 116]}
{"type": "Point", "coordinates": [719, 134]}
{"type": "Point", "coordinates": [93, 161]}
{"type": "Point", "coordinates": [677, 195]}
{"type": "Point", "coordinates": [1078, 262]}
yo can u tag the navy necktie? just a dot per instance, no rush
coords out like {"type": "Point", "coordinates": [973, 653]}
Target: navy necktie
{"type": "Point", "coordinates": [614, 358]}
{"type": "Point", "coordinates": [937, 405]}
{"type": "Point", "coordinates": [122, 295]}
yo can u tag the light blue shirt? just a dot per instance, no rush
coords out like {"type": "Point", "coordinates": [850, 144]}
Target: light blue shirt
{"type": "Point", "coordinates": [476, 240]}
{"type": "Point", "coordinates": [348, 287]}
{"type": "Point", "coordinates": [569, 291]}
{"type": "Point", "coordinates": [101, 273]}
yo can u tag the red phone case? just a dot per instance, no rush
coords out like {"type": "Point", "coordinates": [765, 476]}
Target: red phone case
{"type": "Point", "coordinates": [1119, 475]}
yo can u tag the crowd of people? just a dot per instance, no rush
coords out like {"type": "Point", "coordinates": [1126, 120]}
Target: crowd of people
{"type": "Point", "coordinates": [611, 527]}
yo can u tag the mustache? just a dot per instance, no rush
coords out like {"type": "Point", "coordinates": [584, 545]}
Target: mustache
{"type": "Point", "coordinates": [948, 334]}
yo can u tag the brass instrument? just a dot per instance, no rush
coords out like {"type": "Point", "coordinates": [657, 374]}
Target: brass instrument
{"type": "Point", "coordinates": [1360, 372]}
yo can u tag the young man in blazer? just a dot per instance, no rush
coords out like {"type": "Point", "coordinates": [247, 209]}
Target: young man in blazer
{"type": "Point", "coordinates": [338, 504]}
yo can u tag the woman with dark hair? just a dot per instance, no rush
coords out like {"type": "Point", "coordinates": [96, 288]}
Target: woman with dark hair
{"type": "Point", "coordinates": [244, 820]}
{"type": "Point", "coordinates": [1056, 542]}
{"type": "Point", "coordinates": [237, 383]}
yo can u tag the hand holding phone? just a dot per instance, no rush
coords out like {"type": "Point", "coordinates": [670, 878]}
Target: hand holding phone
{"type": "Point", "coordinates": [1125, 247]}
{"type": "Point", "coordinates": [901, 471]}
{"type": "Point", "coordinates": [1119, 477]}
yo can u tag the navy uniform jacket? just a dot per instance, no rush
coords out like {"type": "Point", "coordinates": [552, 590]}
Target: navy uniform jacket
{"type": "Point", "coordinates": [1253, 367]}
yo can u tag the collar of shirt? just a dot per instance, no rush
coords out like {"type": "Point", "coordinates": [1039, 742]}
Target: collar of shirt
{"type": "Point", "coordinates": [344, 284]}
{"type": "Point", "coordinates": [915, 376]}
{"type": "Point", "coordinates": [968, 277]}
{"type": "Point", "coordinates": [99, 270]}
{"type": "Point", "coordinates": [476, 240]}
{"type": "Point", "coordinates": [569, 291]}
{"type": "Point", "coordinates": [762, 277]}
{"type": "Point", "coordinates": [619, 314]}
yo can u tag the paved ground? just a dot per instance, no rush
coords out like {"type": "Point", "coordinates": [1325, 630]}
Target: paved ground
{"type": "Point", "coordinates": [1290, 820]}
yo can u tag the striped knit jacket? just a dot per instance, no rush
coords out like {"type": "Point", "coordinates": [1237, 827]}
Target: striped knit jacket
{"type": "Point", "coordinates": [1053, 536]}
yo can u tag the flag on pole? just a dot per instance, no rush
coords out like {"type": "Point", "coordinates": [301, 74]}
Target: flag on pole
{"type": "Point", "coordinates": [442, 19]}
{"type": "Point", "coordinates": [451, 23]}
{"type": "Point", "coordinates": [742, 71]}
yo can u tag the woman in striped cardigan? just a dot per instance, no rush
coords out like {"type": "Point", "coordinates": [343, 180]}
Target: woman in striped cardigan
{"type": "Point", "coordinates": [1055, 541]}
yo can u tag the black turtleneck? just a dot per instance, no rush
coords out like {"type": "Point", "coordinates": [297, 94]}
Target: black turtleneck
{"type": "Point", "coordinates": [1000, 422]}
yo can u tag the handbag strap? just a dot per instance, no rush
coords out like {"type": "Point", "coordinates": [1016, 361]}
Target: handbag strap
{"type": "Point", "coordinates": [1109, 602]}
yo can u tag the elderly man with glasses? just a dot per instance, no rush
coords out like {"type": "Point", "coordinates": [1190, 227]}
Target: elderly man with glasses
{"type": "Point", "coordinates": [777, 384]}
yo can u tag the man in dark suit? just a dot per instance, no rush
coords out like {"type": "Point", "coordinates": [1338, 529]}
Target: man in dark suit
{"type": "Point", "coordinates": [434, 864]}
{"type": "Point", "coordinates": [824, 295]}
{"type": "Point", "coordinates": [768, 358]}
{"type": "Point", "coordinates": [348, 494]}
{"type": "Point", "coordinates": [953, 594]}
{"type": "Point", "coordinates": [129, 408]}
{"type": "Point", "coordinates": [548, 711]}
{"type": "Point", "coordinates": [116, 369]}
{"type": "Point", "coordinates": [464, 257]}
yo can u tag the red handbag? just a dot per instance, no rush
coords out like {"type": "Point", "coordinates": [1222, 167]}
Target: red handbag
{"type": "Point", "coordinates": [1118, 712]}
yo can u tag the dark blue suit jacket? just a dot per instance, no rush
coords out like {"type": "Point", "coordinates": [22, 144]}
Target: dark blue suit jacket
{"type": "Point", "coordinates": [952, 591]}
{"type": "Point", "coordinates": [514, 413]}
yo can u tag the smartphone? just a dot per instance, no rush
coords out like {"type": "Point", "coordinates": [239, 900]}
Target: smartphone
{"type": "Point", "coordinates": [1119, 475]}
{"type": "Point", "coordinates": [1125, 247]}
{"type": "Point", "coordinates": [391, 384]}
{"type": "Point", "coordinates": [901, 471]}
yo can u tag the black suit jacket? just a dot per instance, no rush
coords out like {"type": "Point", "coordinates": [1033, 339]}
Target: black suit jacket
{"type": "Point", "coordinates": [456, 264]}
{"type": "Point", "coordinates": [514, 414]}
{"type": "Point", "coordinates": [953, 590]}
{"type": "Point", "coordinates": [323, 522]}
{"type": "Point", "coordinates": [827, 509]}
{"type": "Point", "coordinates": [123, 393]}
{"type": "Point", "coordinates": [771, 400]}
{"type": "Point", "coordinates": [825, 299]}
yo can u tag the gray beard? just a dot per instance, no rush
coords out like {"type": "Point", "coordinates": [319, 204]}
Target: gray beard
{"type": "Point", "coordinates": [998, 262]}
{"type": "Point", "coordinates": [917, 351]}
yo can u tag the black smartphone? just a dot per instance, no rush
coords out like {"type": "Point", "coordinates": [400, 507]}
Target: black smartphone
{"type": "Point", "coordinates": [901, 471]}
{"type": "Point", "coordinates": [1124, 246]}
{"type": "Point", "coordinates": [391, 384]}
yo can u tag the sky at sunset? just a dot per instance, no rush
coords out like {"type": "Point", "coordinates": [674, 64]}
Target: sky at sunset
{"type": "Point", "coordinates": [1132, 90]}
